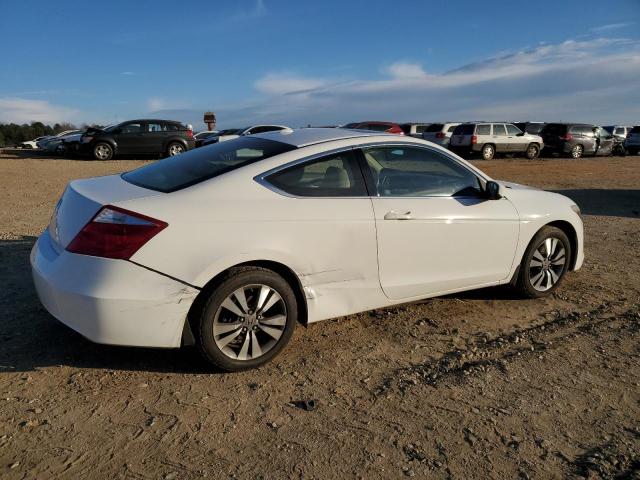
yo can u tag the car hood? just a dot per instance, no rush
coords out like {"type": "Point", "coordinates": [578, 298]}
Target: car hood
{"type": "Point", "coordinates": [517, 186]}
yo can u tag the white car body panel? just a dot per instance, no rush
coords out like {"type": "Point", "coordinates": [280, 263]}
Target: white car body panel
{"type": "Point", "coordinates": [346, 257]}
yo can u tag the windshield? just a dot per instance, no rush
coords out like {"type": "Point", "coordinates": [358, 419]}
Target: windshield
{"type": "Point", "coordinates": [195, 166]}
{"type": "Point", "coordinates": [231, 131]}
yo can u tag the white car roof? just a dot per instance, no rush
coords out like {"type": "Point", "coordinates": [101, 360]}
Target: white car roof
{"type": "Point", "coordinates": [303, 137]}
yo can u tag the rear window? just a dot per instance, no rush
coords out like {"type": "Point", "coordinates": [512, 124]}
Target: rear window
{"type": "Point", "coordinates": [466, 129]}
{"type": "Point", "coordinates": [195, 166]}
{"type": "Point", "coordinates": [435, 127]}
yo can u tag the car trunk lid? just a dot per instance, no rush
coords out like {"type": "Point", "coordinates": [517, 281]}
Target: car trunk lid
{"type": "Point", "coordinates": [82, 199]}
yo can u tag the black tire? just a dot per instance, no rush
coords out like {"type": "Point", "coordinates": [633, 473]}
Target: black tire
{"type": "Point", "coordinates": [488, 152]}
{"type": "Point", "coordinates": [175, 148]}
{"type": "Point", "coordinates": [533, 151]}
{"type": "Point", "coordinates": [632, 151]}
{"type": "Point", "coordinates": [202, 322]}
{"type": "Point", "coordinates": [577, 151]}
{"type": "Point", "coordinates": [524, 284]}
{"type": "Point", "coordinates": [102, 151]}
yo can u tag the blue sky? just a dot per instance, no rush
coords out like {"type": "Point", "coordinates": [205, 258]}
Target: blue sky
{"type": "Point", "coordinates": [299, 62]}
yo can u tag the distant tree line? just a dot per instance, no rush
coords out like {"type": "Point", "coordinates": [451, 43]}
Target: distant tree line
{"type": "Point", "coordinates": [12, 134]}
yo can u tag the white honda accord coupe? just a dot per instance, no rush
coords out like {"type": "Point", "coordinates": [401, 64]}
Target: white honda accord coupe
{"type": "Point", "coordinates": [229, 246]}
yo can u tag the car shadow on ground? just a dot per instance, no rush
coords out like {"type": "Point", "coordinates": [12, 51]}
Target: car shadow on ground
{"type": "Point", "coordinates": [606, 202]}
{"type": "Point", "coordinates": [30, 338]}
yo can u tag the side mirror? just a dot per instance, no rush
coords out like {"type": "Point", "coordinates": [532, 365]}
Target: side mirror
{"type": "Point", "coordinates": [492, 189]}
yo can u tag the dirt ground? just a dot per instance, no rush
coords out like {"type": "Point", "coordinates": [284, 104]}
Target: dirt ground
{"type": "Point", "coordinates": [472, 386]}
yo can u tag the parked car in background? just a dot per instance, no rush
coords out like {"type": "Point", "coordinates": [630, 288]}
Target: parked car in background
{"type": "Point", "coordinates": [576, 139]}
{"type": "Point", "coordinates": [42, 143]}
{"type": "Point", "coordinates": [231, 133]}
{"type": "Point", "coordinates": [632, 142]}
{"type": "Point", "coordinates": [489, 138]}
{"type": "Point", "coordinates": [64, 143]}
{"type": "Point", "coordinates": [414, 129]}
{"type": "Point", "coordinates": [31, 144]}
{"type": "Point", "coordinates": [533, 128]}
{"type": "Point", "coordinates": [144, 136]}
{"type": "Point", "coordinates": [229, 247]}
{"type": "Point", "coordinates": [202, 136]}
{"type": "Point", "coordinates": [386, 127]}
{"type": "Point", "coordinates": [619, 131]}
{"type": "Point", "coordinates": [440, 133]}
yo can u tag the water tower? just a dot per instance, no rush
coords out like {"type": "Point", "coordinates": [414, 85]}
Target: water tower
{"type": "Point", "coordinates": [210, 120]}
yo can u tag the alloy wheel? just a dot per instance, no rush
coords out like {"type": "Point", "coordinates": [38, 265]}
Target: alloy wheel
{"type": "Point", "coordinates": [250, 322]}
{"type": "Point", "coordinates": [547, 264]}
{"type": "Point", "coordinates": [175, 149]}
{"type": "Point", "coordinates": [103, 152]}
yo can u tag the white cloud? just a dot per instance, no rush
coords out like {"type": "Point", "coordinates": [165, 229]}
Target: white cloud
{"type": "Point", "coordinates": [406, 70]}
{"type": "Point", "coordinates": [155, 104]}
{"type": "Point", "coordinates": [23, 110]}
{"type": "Point", "coordinates": [589, 80]}
{"type": "Point", "coordinates": [127, 73]}
{"type": "Point", "coordinates": [611, 26]}
{"type": "Point", "coordinates": [287, 84]}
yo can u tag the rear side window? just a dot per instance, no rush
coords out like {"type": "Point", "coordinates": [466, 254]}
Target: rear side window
{"type": "Point", "coordinates": [483, 130]}
{"type": "Point", "coordinates": [451, 129]}
{"type": "Point", "coordinates": [635, 130]}
{"type": "Point", "coordinates": [619, 131]}
{"type": "Point", "coordinates": [332, 176]}
{"type": "Point", "coordinates": [498, 129]}
{"type": "Point", "coordinates": [195, 166]}
{"type": "Point", "coordinates": [466, 129]}
{"type": "Point", "coordinates": [435, 127]}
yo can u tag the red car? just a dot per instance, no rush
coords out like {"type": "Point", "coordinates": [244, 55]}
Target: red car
{"type": "Point", "coordinates": [386, 127]}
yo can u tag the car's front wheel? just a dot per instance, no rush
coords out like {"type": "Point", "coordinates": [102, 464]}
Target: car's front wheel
{"type": "Point", "coordinates": [174, 149]}
{"type": "Point", "coordinates": [544, 263]}
{"type": "Point", "coordinates": [533, 151]}
{"type": "Point", "coordinates": [247, 319]}
{"type": "Point", "coordinates": [102, 151]}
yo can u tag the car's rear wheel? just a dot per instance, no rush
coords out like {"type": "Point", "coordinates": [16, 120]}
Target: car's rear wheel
{"type": "Point", "coordinates": [577, 151]}
{"type": "Point", "coordinates": [102, 151]}
{"type": "Point", "coordinates": [488, 152]}
{"type": "Point", "coordinates": [248, 318]}
{"type": "Point", "coordinates": [533, 151]}
{"type": "Point", "coordinates": [174, 149]}
{"type": "Point", "coordinates": [544, 263]}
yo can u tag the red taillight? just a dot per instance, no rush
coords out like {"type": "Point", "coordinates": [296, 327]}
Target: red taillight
{"type": "Point", "coordinates": [474, 139]}
{"type": "Point", "coordinates": [567, 137]}
{"type": "Point", "coordinates": [115, 233]}
{"type": "Point", "coordinates": [190, 133]}
{"type": "Point", "coordinates": [440, 135]}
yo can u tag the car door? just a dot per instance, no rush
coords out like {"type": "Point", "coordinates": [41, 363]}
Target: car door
{"type": "Point", "coordinates": [327, 223]}
{"type": "Point", "coordinates": [436, 230]}
{"type": "Point", "coordinates": [515, 138]}
{"type": "Point", "coordinates": [500, 137]}
{"type": "Point", "coordinates": [154, 137]}
{"type": "Point", "coordinates": [129, 137]}
{"type": "Point", "coordinates": [605, 142]}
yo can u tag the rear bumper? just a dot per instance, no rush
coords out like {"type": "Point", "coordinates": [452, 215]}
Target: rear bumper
{"type": "Point", "coordinates": [114, 302]}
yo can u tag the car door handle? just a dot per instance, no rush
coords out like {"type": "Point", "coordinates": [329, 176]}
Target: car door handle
{"type": "Point", "coordinates": [393, 215]}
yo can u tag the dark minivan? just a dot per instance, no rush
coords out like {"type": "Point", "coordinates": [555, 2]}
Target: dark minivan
{"type": "Point", "coordinates": [576, 139]}
{"type": "Point", "coordinates": [145, 137]}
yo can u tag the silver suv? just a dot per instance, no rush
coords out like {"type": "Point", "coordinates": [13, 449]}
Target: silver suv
{"type": "Point", "coordinates": [632, 142]}
{"type": "Point", "coordinates": [489, 138]}
{"type": "Point", "coordinates": [440, 133]}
